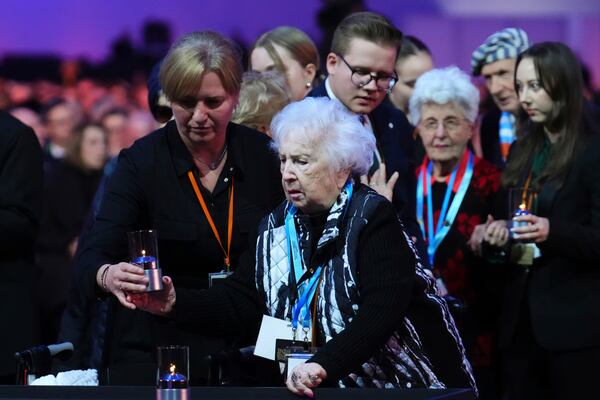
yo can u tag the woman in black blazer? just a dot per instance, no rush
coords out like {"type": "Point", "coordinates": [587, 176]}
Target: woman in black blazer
{"type": "Point", "coordinates": [550, 330]}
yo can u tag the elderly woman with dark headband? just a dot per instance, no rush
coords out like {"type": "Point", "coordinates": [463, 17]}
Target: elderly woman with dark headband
{"type": "Point", "coordinates": [323, 271]}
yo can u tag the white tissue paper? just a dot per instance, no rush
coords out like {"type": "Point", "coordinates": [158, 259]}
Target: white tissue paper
{"type": "Point", "coordinates": [78, 377]}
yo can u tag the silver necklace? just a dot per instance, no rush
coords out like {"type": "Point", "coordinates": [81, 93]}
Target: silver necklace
{"type": "Point", "coordinates": [214, 164]}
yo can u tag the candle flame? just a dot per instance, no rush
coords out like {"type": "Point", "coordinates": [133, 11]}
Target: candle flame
{"type": "Point", "coordinates": [172, 369]}
{"type": "Point", "coordinates": [522, 206]}
{"type": "Point", "coordinates": [143, 253]}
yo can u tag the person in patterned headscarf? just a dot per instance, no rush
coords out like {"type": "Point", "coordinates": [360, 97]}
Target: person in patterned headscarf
{"type": "Point", "coordinates": [495, 59]}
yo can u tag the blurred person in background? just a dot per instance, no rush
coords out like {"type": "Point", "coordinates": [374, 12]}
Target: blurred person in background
{"type": "Point", "coordinates": [291, 52]}
{"type": "Point", "coordinates": [114, 122]}
{"type": "Point", "coordinates": [261, 97]}
{"type": "Point", "coordinates": [414, 59]}
{"type": "Point", "coordinates": [61, 117]}
{"type": "Point", "coordinates": [33, 120]}
{"type": "Point", "coordinates": [69, 188]}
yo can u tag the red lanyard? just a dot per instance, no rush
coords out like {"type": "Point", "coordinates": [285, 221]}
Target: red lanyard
{"type": "Point", "coordinates": [210, 220]}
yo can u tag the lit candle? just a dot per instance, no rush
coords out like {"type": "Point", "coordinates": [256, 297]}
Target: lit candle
{"type": "Point", "coordinates": [146, 262]}
{"type": "Point", "coordinates": [521, 211]}
{"type": "Point", "coordinates": [173, 379]}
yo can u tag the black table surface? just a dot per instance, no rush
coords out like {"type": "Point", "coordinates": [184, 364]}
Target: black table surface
{"type": "Point", "coordinates": [222, 393]}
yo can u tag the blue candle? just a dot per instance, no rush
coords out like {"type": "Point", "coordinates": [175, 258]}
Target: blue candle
{"type": "Point", "coordinates": [144, 261]}
{"type": "Point", "coordinates": [521, 211]}
{"type": "Point", "coordinates": [518, 213]}
{"type": "Point", "coordinates": [173, 379]}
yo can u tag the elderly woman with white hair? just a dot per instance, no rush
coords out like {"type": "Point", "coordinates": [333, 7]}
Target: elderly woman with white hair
{"type": "Point", "coordinates": [323, 272]}
{"type": "Point", "coordinates": [458, 194]}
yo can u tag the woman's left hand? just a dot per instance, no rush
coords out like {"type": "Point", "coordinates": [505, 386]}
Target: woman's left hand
{"type": "Point", "coordinates": [380, 183]}
{"type": "Point", "coordinates": [536, 230]}
{"type": "Point", "coordinates": [304, 377]}
{"type": "Point", "coordinates": [159, 303]}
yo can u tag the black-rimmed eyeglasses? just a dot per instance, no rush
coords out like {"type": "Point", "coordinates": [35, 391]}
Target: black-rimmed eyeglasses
{"type": "Point", "coordinates": [361, 77]}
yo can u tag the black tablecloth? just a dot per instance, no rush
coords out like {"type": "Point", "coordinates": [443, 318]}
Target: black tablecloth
{"type": "Point", "coordinates": [222, 393]}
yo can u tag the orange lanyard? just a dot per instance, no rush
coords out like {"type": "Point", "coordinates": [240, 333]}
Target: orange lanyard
{"type": "Point", "coordinates": [210, 220]}
{"type": "Point", "coordinates": [524, 194]}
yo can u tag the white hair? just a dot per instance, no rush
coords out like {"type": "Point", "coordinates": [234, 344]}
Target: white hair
{"type": "Point", "coordinates": [328, 127]}
{"type": "Point", "coordinates": [443, 86]}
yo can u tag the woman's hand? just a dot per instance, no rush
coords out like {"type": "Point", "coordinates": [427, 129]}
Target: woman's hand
{"type": "Point", "coordinates": [160, 302]}
{"type": "Point", "coordinates": [496, 233]}
{"type": "Point", "coordinates": [304, 377]}
{"type": "Point", "coordinates": [477, 236]}
{"type": "Point", "coordinates": [120, 279]}
{"type": "Point", "coordinates": [536, 230]}
{"type": "Point", "coordinates": [380, 183]}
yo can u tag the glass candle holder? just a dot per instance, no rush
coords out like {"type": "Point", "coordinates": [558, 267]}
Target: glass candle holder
{"type": "Point", "coordinates": [173, 373]}
{"type": "Point", "coordinates": [522, 201]}
{"type": "Point", "coordinates": [143, 252]}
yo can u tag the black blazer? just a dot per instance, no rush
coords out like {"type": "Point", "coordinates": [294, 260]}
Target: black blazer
{"type": "Point", "coordinates": [150, 189]}
{"type": "Point", "coordinates": [562, 288]}
{"type": "Point", "coordinates": [20, 207]}
{"type": "Point", "coordinates": [490, 137]}
{"type": "Point", "coordinates": [395, 142]}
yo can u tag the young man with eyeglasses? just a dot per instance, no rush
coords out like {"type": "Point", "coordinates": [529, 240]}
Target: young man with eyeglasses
{"type": "Point", "coordinates": [361, 72]}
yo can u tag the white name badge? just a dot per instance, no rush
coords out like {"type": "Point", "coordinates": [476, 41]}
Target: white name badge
{"type": "Point", "coordinates": [272, 329]}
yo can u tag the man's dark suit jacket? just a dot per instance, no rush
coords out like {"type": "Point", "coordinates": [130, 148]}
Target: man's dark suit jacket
{"type": "Point", "coordinates": [150, 189]}
{"type": "Point", "coordinates": [397, 147]}
{"type": "Point", "coordinates": [490, 137]}
{"type": "Point", "coordinates": [20, 208]}
{"type": "Point", "coordinates": [562, 289]}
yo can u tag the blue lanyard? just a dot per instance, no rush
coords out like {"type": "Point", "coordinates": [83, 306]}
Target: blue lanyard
{"type": "Point", "coordinates": [436, 235]}
{"type": "Point", "coordinates": [307, 289]}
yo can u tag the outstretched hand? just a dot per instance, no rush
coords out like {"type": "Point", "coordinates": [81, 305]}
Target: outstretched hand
{"type": "Point", "coordinates": [160, 302]}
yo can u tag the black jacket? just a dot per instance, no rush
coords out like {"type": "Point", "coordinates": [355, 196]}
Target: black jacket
{"type": "Point", "coordinates": [20, 207]}
{"type": "Point", "coordinates": [562, 289]}
{"type": "Point", "coordinates": [150, 189]}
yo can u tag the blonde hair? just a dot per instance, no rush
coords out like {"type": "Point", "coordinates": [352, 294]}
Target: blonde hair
{"type": "Point", "coordinates": [296, 42]}
{"type": "Point", "coordinates": [261, 97]}
{"type": "Point", "coordinates": [195, 54]}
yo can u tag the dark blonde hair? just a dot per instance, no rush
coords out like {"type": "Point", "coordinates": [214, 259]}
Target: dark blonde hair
{"type": "Point", "coordinates": [296, 42]}
{"type": "Point", "coordinates": [369, 26]}
{"type": "Point", "coordinates": [195, 54]}
{"type": "Point", "coordinates": [261, 97]}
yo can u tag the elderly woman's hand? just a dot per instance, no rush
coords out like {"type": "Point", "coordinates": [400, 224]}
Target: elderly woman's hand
{"type": "Point", "coordinates": [496, 233]}
{"type": "Point", "coordinates": [477, 236]}
{"type": "Point", "coordinates": [121, 278]}
{"type": "Point", "coordinates": [380, 183]}
{"type": "Point", "coordinates": [536, 230]}
{"type": "Point", "coordinates": [304, 377]}
{"type": "Point", "coordinates": [160, 302]}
